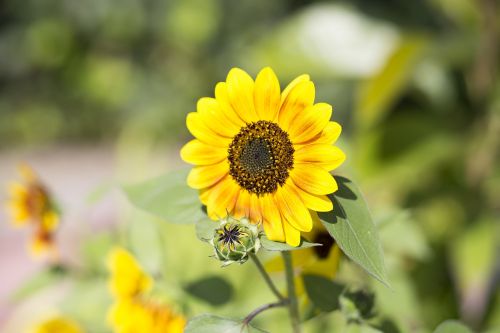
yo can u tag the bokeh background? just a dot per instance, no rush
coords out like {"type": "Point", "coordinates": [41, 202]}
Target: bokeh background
{"type": "Point", "coordinates": [94, 94]}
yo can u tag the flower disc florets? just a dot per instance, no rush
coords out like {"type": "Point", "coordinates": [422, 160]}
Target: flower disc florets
{"type": "Point", "coordinates": [234, 240]}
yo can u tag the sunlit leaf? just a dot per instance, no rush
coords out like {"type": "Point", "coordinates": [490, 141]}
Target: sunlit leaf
{"type": "Point", "coordinates": [452, 326]}
{"type": "Point", "coordinates": [213, 290]}
{"type": "Point", "coordinates": [322, 292]}
{"type": "Point", "coordinates": [278, 246]}
{"type": "Point", "coordinates": [208, 323]}
{"type": "Point", "coordinates": [378, 94]}
{"type": "Point", "coordinates": [168, 197]}
{"type": "Point", "coordinates": [352, 227]}
{"type": "Point", "coordinates": [205, 229]}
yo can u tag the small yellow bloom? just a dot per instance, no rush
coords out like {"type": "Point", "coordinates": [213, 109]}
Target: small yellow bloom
{"type": "Point", "coordinates": [127, 277]}
{"type": "Point", "coordinates": [134, 311]}
{"type": "Point", "coordinates": [264, 153]}
{"type": "Point", "coordinates": [57, 325]}
{"type": "Point", "coordinates": [31, 204]}
{"type": "Point", "coordinates": [144, 316]}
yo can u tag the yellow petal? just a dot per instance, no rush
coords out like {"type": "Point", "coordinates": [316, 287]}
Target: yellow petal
{"type": "Point", "coordinates": [330, 133]}
{"type": "Point", "coordinates": [18, 212]}
{"type": "Point", "coordinates": [27, 173]}
{"type": "Point", "coordinates": [17, 191]}
{"type": "Point", "coordinates": [222, 97]}
{"type": "Point", "coordinates": [292, 208]}
{"type": "Point", "coordinates": [50, 220]}
{"type": "Point", "coordinates": [255, 209]}
{"type": "Point", "coordinates": [300, 97]}
{"type": "Point", "coordinates": [267, 95]}
{"type": "Point", "coordinates": [318, 203]}
{"type": "Point", "coordinates": [128, 279]}
{"type": "Point", "coordinates": [313, 179]}
{"type": "Point", "coordinates": [41, 243]}
{"type": "Point", "coordinates": [207, 175]}
{"type": "Point", "coordinates": [199, 153]}
{"type": "Point", "coordinates": [273, 225]}
{"type": "Point", "coordinates": [204, 194]}
{"type": "Point", "coordinates": [214, 117]}
{"type": "Point", "coordinates": [292, 235]}
{"type": "Point", "coordinates": [222, 198]}
{"type": "Point", "coordinates": [323, 155]}
{"type": "Point", "coordinates": [242, 207]}
{"type": "Point", "coordinates": [199, 129]}
{"type": "Point", "coordinates": [297, 80]}
{"type": "Point", "coordinates": [310, 122]}
{"type": "Point", "coordinates": [240, 89]}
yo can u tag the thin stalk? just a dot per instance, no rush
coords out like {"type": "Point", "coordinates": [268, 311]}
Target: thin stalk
{"type": "Point", "coordinates": [263, 308]}
{"type": "Point", "coordinates": [266, 277]}
{"type": "Point", "coordinates": [292, 297]}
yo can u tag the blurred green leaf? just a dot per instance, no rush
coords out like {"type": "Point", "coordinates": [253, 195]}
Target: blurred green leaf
{"type": "Point", "coordinates": [322, 292]}
{"type": "Point", "coordinates": [208, 323]}
{"type": "Point", "coordinates": [356, 328]}
{"type": "Point", "coordinates": [473, 256]}
{"type": "Point", "coordinates": [205, 229]}
{"type": "Point", "coordinates": [168, 197]}
{"type": "Point", "coordinates": [278, 246]}
{"type": "Point", "coordinates": [376, 95]}
{"type": "Point", "coordinates": [357, 305]}
{"type": "Point", "coordinates": [452, 326]}
{"type": "Point", "coordinates": [401, 236]}
{"type": "Point", "coordinates": [352, 227]}
{"type": "Point", "coordinates": [145, 239]}
{"type": "Point", "coordinates": [213, 289]}
{"type": "Point", "coordinates": [93, 250]}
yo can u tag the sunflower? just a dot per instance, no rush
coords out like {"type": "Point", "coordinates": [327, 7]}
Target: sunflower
{"type": "Point", "coordinates": [57, 324]}
{"type": "Point", "coordinates": [263, 153]}
{"type": "Point", "coordinates": [30, 204]}
{"type": "Point", "coordinates": [133, 309]}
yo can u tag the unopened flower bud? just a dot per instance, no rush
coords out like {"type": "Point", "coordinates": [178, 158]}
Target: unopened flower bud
{"type": "Point", "coordinates": [234, 240]}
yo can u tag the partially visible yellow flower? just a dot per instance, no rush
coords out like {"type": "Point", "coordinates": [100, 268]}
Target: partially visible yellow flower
{"type": "Point", "coordinates": [134, 311]}
{"type": "Point", "coordinates": [264, 153]}
{"type": "Point", "coordinates": [144, 316]}
{"type": "Point", "coordinates": [57, 325]}
{"type": "Point", "coordinates": [30, 204]}
{"type": "Point", "coordinates": [127, 277]}
{"type": "Point", "coordinates": [319, 260]}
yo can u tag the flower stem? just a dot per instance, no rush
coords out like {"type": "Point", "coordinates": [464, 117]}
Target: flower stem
{"type": "Point", "coordinates": [263, 308]}
{"type": "Point", "coordinates": [292, 304]}
{"type": "Point", "coordinates": [266, 277]}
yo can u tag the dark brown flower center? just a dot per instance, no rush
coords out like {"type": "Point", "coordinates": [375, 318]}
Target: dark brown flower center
{"type": "Point", "coordinates": [327, 241]}
{"type": "Point", "coordinates": [260, 157]}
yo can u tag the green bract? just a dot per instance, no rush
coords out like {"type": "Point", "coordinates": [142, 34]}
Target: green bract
{"type": "Point", "coordinates": [234, 240]}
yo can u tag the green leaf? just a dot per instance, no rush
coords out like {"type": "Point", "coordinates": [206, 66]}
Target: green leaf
{"type": "Point", "coordinates": [322, 292]}
{"type": "Point", "coordinates": [352, 227]}
{"type": "Point", "coordinates": [357, 305]}
{"type": "Point", "coordinates": [278, 246]}
{"type": "Point", "coordinates": [378, 94]}
{"type": "Point", "coordinates": [452, 326]}
{"type": "Point", "coordinates": [205, 229]}
{"type": "Point", "coordinates": [208, 323]}
{"type": "Point", "coordinates": [213, 290]}
{"type": "Point", "coordinates": [168, 197]}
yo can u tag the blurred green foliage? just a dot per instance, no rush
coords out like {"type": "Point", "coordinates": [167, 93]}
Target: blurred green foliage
{"type": "Point", "coordinates": [415, 85]}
